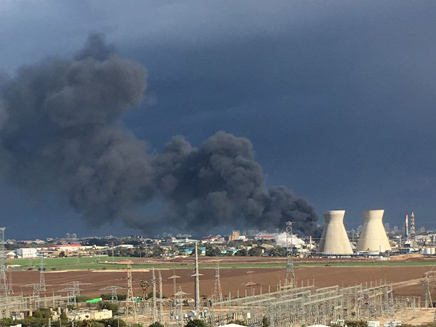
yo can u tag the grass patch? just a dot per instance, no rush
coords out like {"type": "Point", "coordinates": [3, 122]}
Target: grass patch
{"type": "Point", "coordinates": [97, 263]}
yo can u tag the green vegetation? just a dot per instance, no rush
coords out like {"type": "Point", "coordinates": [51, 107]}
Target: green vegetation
{"type": "Point", "coordinates": [156, 324]}
{"type": "Point", "coordinates": [104, 263]}
{"type": "Point", "coordinates": [41, 317]}
{"type": "Point", "coordinates": [196, 323]}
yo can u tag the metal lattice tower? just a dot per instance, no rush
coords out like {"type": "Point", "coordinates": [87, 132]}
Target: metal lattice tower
{"type": "Point", "coordinates": [4, 290]}
{"type": "Point", "coordinates": [179, 307]}
{"type": "Point", "coordinates": [174, 277]}
{"type": "Point", "coordinates": [71, 294]}
{"type": "Point", "coordinates": [160, 316]}
{"type": "Point", "coordinates": [153, 281]}
{"type": "Point", "coordinates": [10, 287]}
{"type": "Point", "coordinates": [76, 286]}
{"type": "Point", "coordinates": [250, 285]}
{"type": "Point", "coordinates": [130, 301]}
{"type": "Point", "coordinates": [114, 294]}
{"type": "Point", "coordinates": [217, 294]}
{"type": "Point", "coordinates": [427, 286]}
{"type": "Point", "coordinates": [42, 286]}
{"type": "Point", "coordinates": [290, 280]}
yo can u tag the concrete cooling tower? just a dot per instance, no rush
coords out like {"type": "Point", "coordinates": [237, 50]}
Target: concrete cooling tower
{"type": "Point", "coordinates": [334, 238]}
{"type": "Point", "coordinates": [373, 237]}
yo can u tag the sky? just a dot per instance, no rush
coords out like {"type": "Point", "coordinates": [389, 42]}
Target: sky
{"type": "Point", "coordinates": [337, 97]}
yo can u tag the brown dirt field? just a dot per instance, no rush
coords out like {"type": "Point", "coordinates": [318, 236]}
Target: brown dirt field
{"type": "Point", "coordinates": [406, 279]}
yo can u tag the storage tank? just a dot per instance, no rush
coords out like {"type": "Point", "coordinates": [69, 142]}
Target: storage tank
{"type": "Point", "coordinates": [334, 238]}
{"type": "Point", "coordinates": [373, 237]}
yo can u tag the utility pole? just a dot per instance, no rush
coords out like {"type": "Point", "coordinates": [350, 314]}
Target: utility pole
{"type": "Point", "coordinates": [197, 280]}
{"type": "Point", "coordinates": [42, 286]}
{"type": "Point", "coordinates": [290, 280]}
{"type": "Point", "coordinates": [4, 290]}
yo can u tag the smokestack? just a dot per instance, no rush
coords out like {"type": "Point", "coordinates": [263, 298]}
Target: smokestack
{"type": "Point", "coordinates": [373, 237]}
{"type": "Point", "coordinates": [412, 225]}
{"type": "Point", "coordinates": [334, 238]}
{"type": "Point", "coordinates": [406, 226]}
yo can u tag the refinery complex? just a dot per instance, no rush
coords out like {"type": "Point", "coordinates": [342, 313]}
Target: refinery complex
{"type": "Point", "coordinates": [287, 297]}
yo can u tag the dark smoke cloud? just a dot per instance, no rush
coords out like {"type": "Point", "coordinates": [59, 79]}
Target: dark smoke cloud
{"type": "Point", "coordinates": [60, 128]}
{"type": "Point", "coordinates": [221, 184]}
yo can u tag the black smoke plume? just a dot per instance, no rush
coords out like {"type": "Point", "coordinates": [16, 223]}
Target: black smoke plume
{"type": "Point", "coordinates": [60, 131]}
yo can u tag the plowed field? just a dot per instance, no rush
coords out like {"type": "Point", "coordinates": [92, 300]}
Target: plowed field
{"type": "Point", "coordinates": [406, 279]}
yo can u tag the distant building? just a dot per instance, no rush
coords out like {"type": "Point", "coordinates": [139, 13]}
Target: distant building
{"type": "Point", "coordinates": [396, 230]}
{"type": "Point", "coordinates": [26, 252]}
{"type": "Point", "coordinates": [89, 315]}
{"type": "Point", "coordinates": [212, 239]}
{"type": "Point", "coordinates": [235, 236]}
{"type": "Point", "coordinates": [387, 228]}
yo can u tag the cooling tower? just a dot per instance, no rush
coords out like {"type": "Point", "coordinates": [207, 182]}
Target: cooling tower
{"type": "Point", "coordinates": [373, 237]}
{"type": "Point", "coordinates": [334, 238]}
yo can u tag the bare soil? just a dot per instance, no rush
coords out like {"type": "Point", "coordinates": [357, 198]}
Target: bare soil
{"type": "Point", "coordinates": [406, 279]}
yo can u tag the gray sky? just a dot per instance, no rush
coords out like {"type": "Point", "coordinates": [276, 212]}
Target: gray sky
{"type": "Point", "coordinates": [336, 96]}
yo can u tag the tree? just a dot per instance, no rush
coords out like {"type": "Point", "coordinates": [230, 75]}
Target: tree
{"type": "Point", "coordinates": [356, 323]}
{"type": "Point", "coordinates": [144, 286]}
{"type": "Point", "coordinates": [157, 251]}
{"type": "Point", "coordinates": [265, 322]}
{"type": "Point", "coordinates": [255, 252]}
{"type": "Point", "coordinates": [196, 323]}
{"type": "Point", "coordinates": [156, 324]}
{"type": "Point", "coordinates": [97, 324]}
{"type": "Point", "coordinates": [213, 252]}
{"type": "Point", "coordinates": [108, 306]}
{"type": "Point", "coordinates": [241, 252]}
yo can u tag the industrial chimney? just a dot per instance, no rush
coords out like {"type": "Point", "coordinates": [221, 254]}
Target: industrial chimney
{"type": "Point", "coordinates": [334, 238]}
{"type": "Point", "coordinates": [373, 237]}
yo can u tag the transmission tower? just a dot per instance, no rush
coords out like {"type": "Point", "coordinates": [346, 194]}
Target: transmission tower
{"type": "Point", "coordinates": [153, 281]}
{"type": "Point", "coordinates": [42, 286]}
{"type": "Point", "coordinates": [130, 301]}
{"type": "Point", "coordinates": [10, 287]}
{"type": "Point", "coordinates": [290, 280]}
{"type": "Point", "coordinates": [160, 298]}
{"type": "Point", "coordinates": [76, 286]}
{"type": "Point", "coordinates": [114, 294]}
{"type": "Point", "coordinates": [427, 286]}
{"type": "Point", "coordinates": [179, 305]}
{"type": "Point", "coordinates": [217, 294]}
{"type": "Point", "coordinates": [174, 277]}
{"type": "Point", "coordinates": [4, 290]}
{"type": "Point", "coordinates": [71, 295]}
{"type": "Point", "coordinates": [250, 285]}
